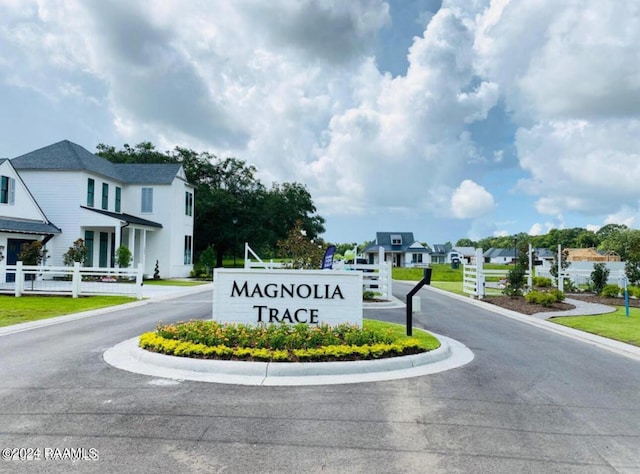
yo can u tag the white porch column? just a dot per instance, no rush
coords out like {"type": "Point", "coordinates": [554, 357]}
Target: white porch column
{"type": "Point", "coordinates": [143, 249]}
{"type": "Point", "coordinates": [131, 245]}
{"type": "Point", "coordinates": [118, 235]}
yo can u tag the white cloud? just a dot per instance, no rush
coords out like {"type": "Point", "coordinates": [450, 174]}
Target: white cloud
{"type": "Point", "coordinates": [294, 88]}
{"type": "Point", "coordinates": [471, 200]}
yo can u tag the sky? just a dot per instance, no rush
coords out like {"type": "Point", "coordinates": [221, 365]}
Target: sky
{"type": "Point", "coordinates": [449, 119]}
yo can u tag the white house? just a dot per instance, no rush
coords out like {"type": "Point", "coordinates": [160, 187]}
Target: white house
{"type": "Point", "coordinates": [21, 219]}
{"type": "Point", "coordinates": [400, 248]}
{"type": "Point", "coordinates": [146, 207]}
{"type": "Point", "coordinates": [462, 255]}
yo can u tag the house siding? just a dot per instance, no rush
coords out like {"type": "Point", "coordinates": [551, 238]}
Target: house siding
{"type": "Point", "coordinates": [57, 193]}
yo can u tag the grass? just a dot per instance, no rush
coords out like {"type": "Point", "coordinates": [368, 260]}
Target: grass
{"type": "Point", "coordinates": [611, 325]}
{"type": "Point", "coordinates": [399, 333]}
{"type": "Point", "coordinates": [32, 308]}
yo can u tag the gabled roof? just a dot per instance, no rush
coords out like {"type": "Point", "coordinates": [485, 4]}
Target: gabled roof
{"type": "Point", "coordinates": [441, 249]}
{"type": "Point", "coordinates": [125, 217]}
{"type": "Point", "coordinates": [68, 156]}
{"type": "Point", "coordinates": [388, 241]}
{"type": "Point", "coordinates": [27, 226]}
{"type": "Point", "coordinates": [466, 251]}
{"type": "Point", "coordinates": [497, 252]}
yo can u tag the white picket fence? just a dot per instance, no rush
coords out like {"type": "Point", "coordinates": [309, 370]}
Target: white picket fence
{"type": "Point", "coordinates": [376, 278]}
{"type": "Point", "coordinates": [75, 281]}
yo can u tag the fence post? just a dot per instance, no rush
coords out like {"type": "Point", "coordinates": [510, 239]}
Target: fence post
{"type": "Point", "coordinates": [75, 280]}
{"type": "Point", "coordinates": [139, 282]}
{"type": "Point", "coordinates": [480, 289]}
{"type": "Point", "coordinates": [19, 279]}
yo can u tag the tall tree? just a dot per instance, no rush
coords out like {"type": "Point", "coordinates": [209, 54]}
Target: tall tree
{"type": "Point", "coordinates": [231, 205]}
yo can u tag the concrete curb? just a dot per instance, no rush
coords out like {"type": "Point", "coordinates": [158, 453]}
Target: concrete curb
{"type": "Point", "coordinates": [128, 356]}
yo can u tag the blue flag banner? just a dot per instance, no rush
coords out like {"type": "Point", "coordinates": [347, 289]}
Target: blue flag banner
{"type": "Point", "coordinates": [327, 260]}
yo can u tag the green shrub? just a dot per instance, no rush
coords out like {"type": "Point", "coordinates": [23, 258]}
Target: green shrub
{"type": "Point", "coordinates": [558, 295]}
{"type": "Point", "coordinates": [515, 281]}
{"type": "Point", "coordinates": [301, 342]}
{"type": "Point", "coordinates": [542, 282]}
{"type": "Point", "coordinates": [634, 291]}
{"type": "Point", "coordinates": [611, 291]}
{"type": "Point", "coordinates": [540, 297]}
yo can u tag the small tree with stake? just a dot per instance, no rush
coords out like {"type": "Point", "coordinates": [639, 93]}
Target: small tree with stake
{"type": "Point", "coordinates": [76, 253]}
{"type": "Point", "coordinates": [32, 253]}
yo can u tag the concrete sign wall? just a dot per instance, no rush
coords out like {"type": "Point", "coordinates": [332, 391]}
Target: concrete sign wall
{"type": "Point", "coordinates": [290, 296]}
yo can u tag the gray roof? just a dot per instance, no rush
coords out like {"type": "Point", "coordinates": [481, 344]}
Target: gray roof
{"type": "Point", "coordinates": [27, 227]}
{"type": "Point", "coordinates": [384, 240]}
{"type": "Point", "coordinates": [442, 249]}
{"type": "Point", "coordinates": [68, 156]}
{"type": "Point", "coordinates": [125, 217]}
{"type": "Point", "coordinates": [497, 252]}
{"type": "Point", "coordinates": [148, 173]}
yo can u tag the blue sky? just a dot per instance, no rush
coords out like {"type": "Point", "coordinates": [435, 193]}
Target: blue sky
{"type": "Point", "coordinates": [452, 119]}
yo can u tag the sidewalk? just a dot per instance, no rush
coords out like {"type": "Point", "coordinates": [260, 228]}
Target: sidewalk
{"type": "Point", "coordinates": [582, 308]}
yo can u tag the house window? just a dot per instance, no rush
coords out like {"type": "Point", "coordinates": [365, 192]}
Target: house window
{"type": "Point", "coordinates": [396, 239]}
{"type": "Point", "coordinates": [118, 198]}
{"type": "Point", "coordinates": [88, 243]}
{"type": "Point", "coordinates": [105, 196]}
{"type": "Point", "coordinates": [188, 203]}
{"type": "Point", "coordinates": [91, 188]}
{"type": "Point", "coordinates": [147, 200]}
{"type": "Point", "coordinates": [7, 190]}
{"type": "Point", "coordinates": [416, 258]}
{"type": "Point", "coordinates": [187, 249]}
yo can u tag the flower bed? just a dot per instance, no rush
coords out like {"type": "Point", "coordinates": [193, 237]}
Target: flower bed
{"type": "Point", "coordinates": [283, 343]}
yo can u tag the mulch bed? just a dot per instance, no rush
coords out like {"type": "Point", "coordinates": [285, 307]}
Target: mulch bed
{"type": "Point", "coordinates": [520, 305]}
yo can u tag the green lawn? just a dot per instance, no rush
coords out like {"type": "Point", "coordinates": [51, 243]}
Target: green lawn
{"type": "Point", "coordinates": [611, 325]}
{"type": "Point", "coordinates": [32, 308]}
{"type": "Point", "coordinates": [399, 332]}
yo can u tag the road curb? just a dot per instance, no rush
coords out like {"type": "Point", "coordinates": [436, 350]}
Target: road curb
{"type": "Point", "coordinates": [128, 356]}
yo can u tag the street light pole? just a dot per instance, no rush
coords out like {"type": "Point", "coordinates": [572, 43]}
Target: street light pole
{"type": "Point", "coordinates": [235, 239]}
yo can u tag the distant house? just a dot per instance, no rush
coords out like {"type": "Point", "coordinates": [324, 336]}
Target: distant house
{"type": "Point", "coordinates": [591, 255]}
{"type": "Point", "coordinates": [439, 253]}
{"type": "Point", "coordinates": [462, 255]}
{"type": "Point", "coordinates": [146, 207]}
{"type": "Point", "coordinates": [400, 248]}
{"type": "Point", "coordinates": [499, 255]}
{"type": "Point", "coordinates": [21, 219]}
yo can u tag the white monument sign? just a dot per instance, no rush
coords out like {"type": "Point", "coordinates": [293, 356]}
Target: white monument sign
{"type": "Point", "coordinates": [247, 296]}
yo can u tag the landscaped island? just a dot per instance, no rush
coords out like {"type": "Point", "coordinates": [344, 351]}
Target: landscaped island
{"type": "Point", "coordinates": [286, 343]}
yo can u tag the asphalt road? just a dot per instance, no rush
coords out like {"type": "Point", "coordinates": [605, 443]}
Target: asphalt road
{"type": "Point", "coordinates": [530, 401]}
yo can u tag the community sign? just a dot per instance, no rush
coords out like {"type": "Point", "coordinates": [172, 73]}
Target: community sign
{"type": "Point", "coordinates": [249, 296]}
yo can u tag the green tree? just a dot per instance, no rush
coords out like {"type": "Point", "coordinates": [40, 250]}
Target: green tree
{"type": "Point", "coordinates": [227, 191]}
{"type": "Point", "coordinates": [465, 243]}
{"type": "Point", "coordinates": [76, 253]}
{"type": "Point", "coordinates": [599, 277]}
{"type": "Point", "coordinates": [32, 253]}
{"type": "Point", "coordinates": [123, 256]}
{"type": "Point", "coordinates": [301, 251]}
{"type": "Point", "coordinates": [516, 281]}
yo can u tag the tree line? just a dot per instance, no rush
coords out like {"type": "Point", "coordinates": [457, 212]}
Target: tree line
{"type": "Point", "coordinates": [612, 237]}
{"type": "Point", "coordinates": [231, 205]}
